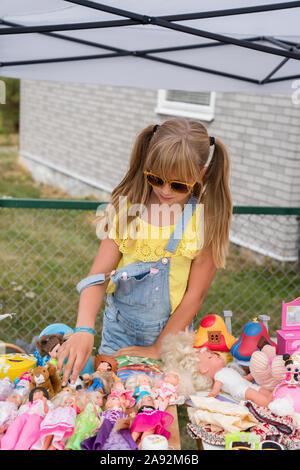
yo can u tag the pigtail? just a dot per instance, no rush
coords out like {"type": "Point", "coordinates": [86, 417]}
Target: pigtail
{"type": "Point", "coordinates": [217, 203]}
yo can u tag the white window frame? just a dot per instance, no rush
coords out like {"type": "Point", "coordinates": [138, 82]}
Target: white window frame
{"type": "Point", "coordinates": [189, 110]}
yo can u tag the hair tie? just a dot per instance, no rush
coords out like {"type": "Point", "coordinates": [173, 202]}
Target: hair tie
{"type": "Point", "coordinates": [211, 141]}
{"type": "Point", "coordinates": [155, 128]}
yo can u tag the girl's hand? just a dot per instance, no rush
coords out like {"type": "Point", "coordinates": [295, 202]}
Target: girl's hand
{"type": "Point", "coordinates": [77, 349]}
{"type": "Point", "coordinates": [142, 351]}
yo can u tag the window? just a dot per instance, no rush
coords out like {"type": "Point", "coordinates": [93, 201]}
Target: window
{"type": "Point", "coordinates": [191, 104]}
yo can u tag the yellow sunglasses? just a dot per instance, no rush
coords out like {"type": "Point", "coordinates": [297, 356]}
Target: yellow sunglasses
{"type": "Point", "coordinates": [178, 186]}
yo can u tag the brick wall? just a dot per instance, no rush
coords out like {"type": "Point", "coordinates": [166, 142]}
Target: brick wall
{"type": "Point", "coordinates": [79, 136]}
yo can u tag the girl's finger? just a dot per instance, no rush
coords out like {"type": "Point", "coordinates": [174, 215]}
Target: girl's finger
{"type": "Point", "coordinates": [68, 368]}
{"type": "Point", "coordinates": [79, 364]}
{"type": "Point", "coordinates": [63, 354]}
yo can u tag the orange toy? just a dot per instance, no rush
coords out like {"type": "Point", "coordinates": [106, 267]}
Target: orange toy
{"type": "Point", "coordinates": [213, 334]}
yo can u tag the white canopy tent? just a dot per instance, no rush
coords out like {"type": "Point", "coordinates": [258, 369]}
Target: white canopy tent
{"type": "Point", "coordinates": [232, 45]}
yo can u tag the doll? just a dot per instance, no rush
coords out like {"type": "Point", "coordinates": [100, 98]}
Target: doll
{"type": "Point", "coordinates": [111, 436]}
{"type": "Point", "coordinates": [58, 424]}
{"type": "Point", "coordinates": [230, 381]}
{"type": "Point", "coordinates": [49, 345]}
{"type": "Point", "coordinates": [141, 384]}
{"type": "Point", "coordinates": [6, 388]}
{"type": "Point", "coordinates": [87, 421]}
{"type": "Point", "coordinates": [167, 391]}
{"type": "Point", "coordinates": [22, 384]}
{"type": "Point", "coordinates": [126, 396]}
{"type": "Point", "coordinates": [149, 420]}
{"type": "Point", "coordinates": [24, 430]}
{"type": "Point", "coordinates": [104, 376]}
{"type": "Point", "coordinates": [9, 411]}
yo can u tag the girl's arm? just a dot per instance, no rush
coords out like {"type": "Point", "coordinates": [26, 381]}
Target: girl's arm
{"type": "Point", "coordinates": [200, 278]}
{"type": "Point", "coordinates": [79, 346]}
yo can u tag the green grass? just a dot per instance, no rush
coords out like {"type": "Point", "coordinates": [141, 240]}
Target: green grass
{"type": "Point", "coordinates": [46, 252]}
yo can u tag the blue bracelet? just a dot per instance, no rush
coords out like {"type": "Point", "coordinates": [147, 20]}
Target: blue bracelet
{"type": "Point", "coordinates": [84, 329]}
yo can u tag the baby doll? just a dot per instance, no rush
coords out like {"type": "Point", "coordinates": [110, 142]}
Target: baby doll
{"type": "Point", "coordinates": [9, 411]}
{"type": "Point", "coordinates": [141, 384]}
{"type": "Point", "coordinates": [126, 396]}
{"type": "Point", "coordinates": [109, 435]}
{"type": "Point", "coordinates": [230, 381]}
{"type": "Point", "coordinates": [104, 376]}
{"type": "Point", "coordinates": [24, 430]}
{"type": "Point", "coordinates": [167, 391]}
{"type": "Point", "coordinates": [58, 424]}
{"type": "Point", "coordinates": [149, 420]}
{"type": "Point", "coordinates": [87, 421]}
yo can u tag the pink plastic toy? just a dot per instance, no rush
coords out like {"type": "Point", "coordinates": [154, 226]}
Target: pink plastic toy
{"type": "Point", "coordinates": [288, 338]}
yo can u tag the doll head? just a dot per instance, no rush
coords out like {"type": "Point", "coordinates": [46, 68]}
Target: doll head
{"type": "Point", "coordinates": [68, 400]}
{"type": "Point", "coordinates": [96, 397]}
{"type": "Point", "coordinates": [210, 363]}
{"type": "Point", "coordinates": [137, 380]}
{"type": "Point", "coordinates": [171, 378]}
{"type": "Point", "coordinates": [104, 363]}
{"type": "Point", "coordinates": [15, 398]}
{"type": "Point", "coordinates": [145, 400]}
{"type": "Point", "coordinates": [38, 393]}
{"type": "Point", "coordinates": [48, 345]}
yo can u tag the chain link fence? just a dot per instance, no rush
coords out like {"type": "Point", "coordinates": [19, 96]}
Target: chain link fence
{"type": "Point", "coordinates": [48, 246]}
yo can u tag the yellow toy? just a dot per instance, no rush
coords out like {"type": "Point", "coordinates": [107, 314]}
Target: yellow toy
{"type": "Point", "coordinates": [14, 365]}
{"type": "Point", "coordinates": [213, 334]}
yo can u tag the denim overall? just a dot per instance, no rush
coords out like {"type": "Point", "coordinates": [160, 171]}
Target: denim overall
{"type": "Point", "coordinates": [137, 311]}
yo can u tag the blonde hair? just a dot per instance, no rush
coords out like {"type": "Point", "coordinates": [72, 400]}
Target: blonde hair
{"type": "Point", "coordinates": [181, 145]}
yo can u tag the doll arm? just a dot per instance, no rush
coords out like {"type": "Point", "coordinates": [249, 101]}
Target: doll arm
{"type": "Point", "coordinates": [46, 407]}
{"type": "Point", "coordinates": [216, 389]}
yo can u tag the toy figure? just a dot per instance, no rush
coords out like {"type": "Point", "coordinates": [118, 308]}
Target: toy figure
{"type": "Point", "coordinates": [230, 381]}
{"type": "Point", "coordinates": [167, 391]}
{"type": "Point", "coordinates": [87, 421]}
{"type": "Point", "coordinates": [58, 424]}
{"type": "Point", "coordinates": [126, 396]}
{"type": "Point", "coordinates": [109, 435]}
{"type": "Point", "coordinates": [9, 411]}
{"type": "Point", "coordinates": [104, 376]}
{"type": "Point", "coordinates": [149, 420]}
{"type": "Point", "coordinates": [49, 345]}
{"type": "Point", "coordinates": [25, 429]}
{"type": "Point", "coordinates": [46, 377]}
{"type": "Point", "coordinates": [22, 384]}
{"type": "Point", "coordinates": [6, 388]}
{"type": "Point", "coordinates": [292, 366]}
{"type": "Point", "coordinates": [141, 384]}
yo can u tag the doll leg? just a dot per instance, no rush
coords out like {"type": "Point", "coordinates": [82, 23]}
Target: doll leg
{"type": "Point", "coordinates": [47, 442]}
{"type": "Point", "coordinates": [135, 435]}
{"type": "Point", "coordinates": [30, 433]}
{"type": "Point", "coordinates": [261, 399]}
{"type": "Point", "coordinates": [10, 438]}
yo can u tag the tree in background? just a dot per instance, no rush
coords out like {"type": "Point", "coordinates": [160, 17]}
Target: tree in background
{"type": "Point", "coordinates": [9, 111]}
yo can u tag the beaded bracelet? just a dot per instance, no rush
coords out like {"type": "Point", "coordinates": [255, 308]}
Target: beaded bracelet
{"type": "Point", "coordinates": [84, 329]}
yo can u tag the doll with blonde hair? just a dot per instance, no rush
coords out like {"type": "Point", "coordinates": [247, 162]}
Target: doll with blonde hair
{"type": "Point", "coordinates": [164, 234]}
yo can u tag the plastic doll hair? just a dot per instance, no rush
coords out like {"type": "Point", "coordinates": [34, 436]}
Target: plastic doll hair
{"type": "Point", "coordinates": [106, 406]}
{"type": "Point", "coordinates": [46, 343]}
{"type": "Point", "coordinates": [32, 392]}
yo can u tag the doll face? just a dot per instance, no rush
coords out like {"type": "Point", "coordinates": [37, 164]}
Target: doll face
{"type": "Point", "coordinates": [98, 399]}
{"type": "Point", "coordinates": [113, 402]}
{"type": "Point", "coordinates": [209, 363]}
{"type": "Point", "coordinates": [38, 395]}
{"type": "Point", "coordinates": [14, 398]}
{"type": "Point", "coordinates": [144, 380]}
{"type": "Point", "coordinates": [118, 386]}
{"type": "Point", "coordinates": [146, 400]}
{"type": "Point", "coordinates": [171, 379]}
{"type": "Point", "coordinates": [54, 351]}
{"type": "Point", "coordinates": [103, 367]}
{"type": "Point", "coordinates": [68, 401]}
{"type": "Point", "coordinates": [67, 390]}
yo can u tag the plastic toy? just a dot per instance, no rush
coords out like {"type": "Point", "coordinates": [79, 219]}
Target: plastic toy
{"type": "Point", "coordinates": [288, 338]}
{"type": "Point", "coordinates": [213, 334]}
{"type": "Point", "coordinates": [242, 441]}
{"type": "Point", "coordinates": [267, 368]}
{"type": "Point", "coordinates": [14, 365]}
{"type": "Point", "coordinates": [248, 340]}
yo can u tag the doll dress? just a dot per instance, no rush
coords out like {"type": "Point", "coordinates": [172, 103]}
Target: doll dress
{"type": "Point", "coordinates": [60, 423]}
{"type": "Point", "coordinates": [140, 306]}
{"type": "Point", "coordinates": [151, 419]}
{"type": "Point", "coordinates": [86, 422]}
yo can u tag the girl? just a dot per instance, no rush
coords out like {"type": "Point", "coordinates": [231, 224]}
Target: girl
{"type": "Point", "coordinates": [169, 233]}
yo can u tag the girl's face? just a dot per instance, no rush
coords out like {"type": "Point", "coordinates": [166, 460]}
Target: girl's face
{"type": "Point", "coordinates": [166, 195]}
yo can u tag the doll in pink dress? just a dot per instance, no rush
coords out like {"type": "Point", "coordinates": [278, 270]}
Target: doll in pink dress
{"type": "Point", "coordinates": [25, 429]}
{"type": "Point", "coordinates": [58, 424]}
{"type": "Point", "coordinates": [126, 396]}
{"type": "Point", "coordinates": [150, 420]}
{"type": "Point", "coordinates": [167, 391]}
{"type": "Point", "coordinates": [9, 411]}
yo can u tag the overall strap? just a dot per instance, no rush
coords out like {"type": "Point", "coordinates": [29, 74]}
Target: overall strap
{"type": "Point", "coordinates": [181, 225]}
{"type": "Point", "coordinates": [90, 281]}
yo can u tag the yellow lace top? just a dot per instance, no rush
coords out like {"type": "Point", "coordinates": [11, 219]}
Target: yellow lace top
{"type": "Point", "coordinates": [150, 243]}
